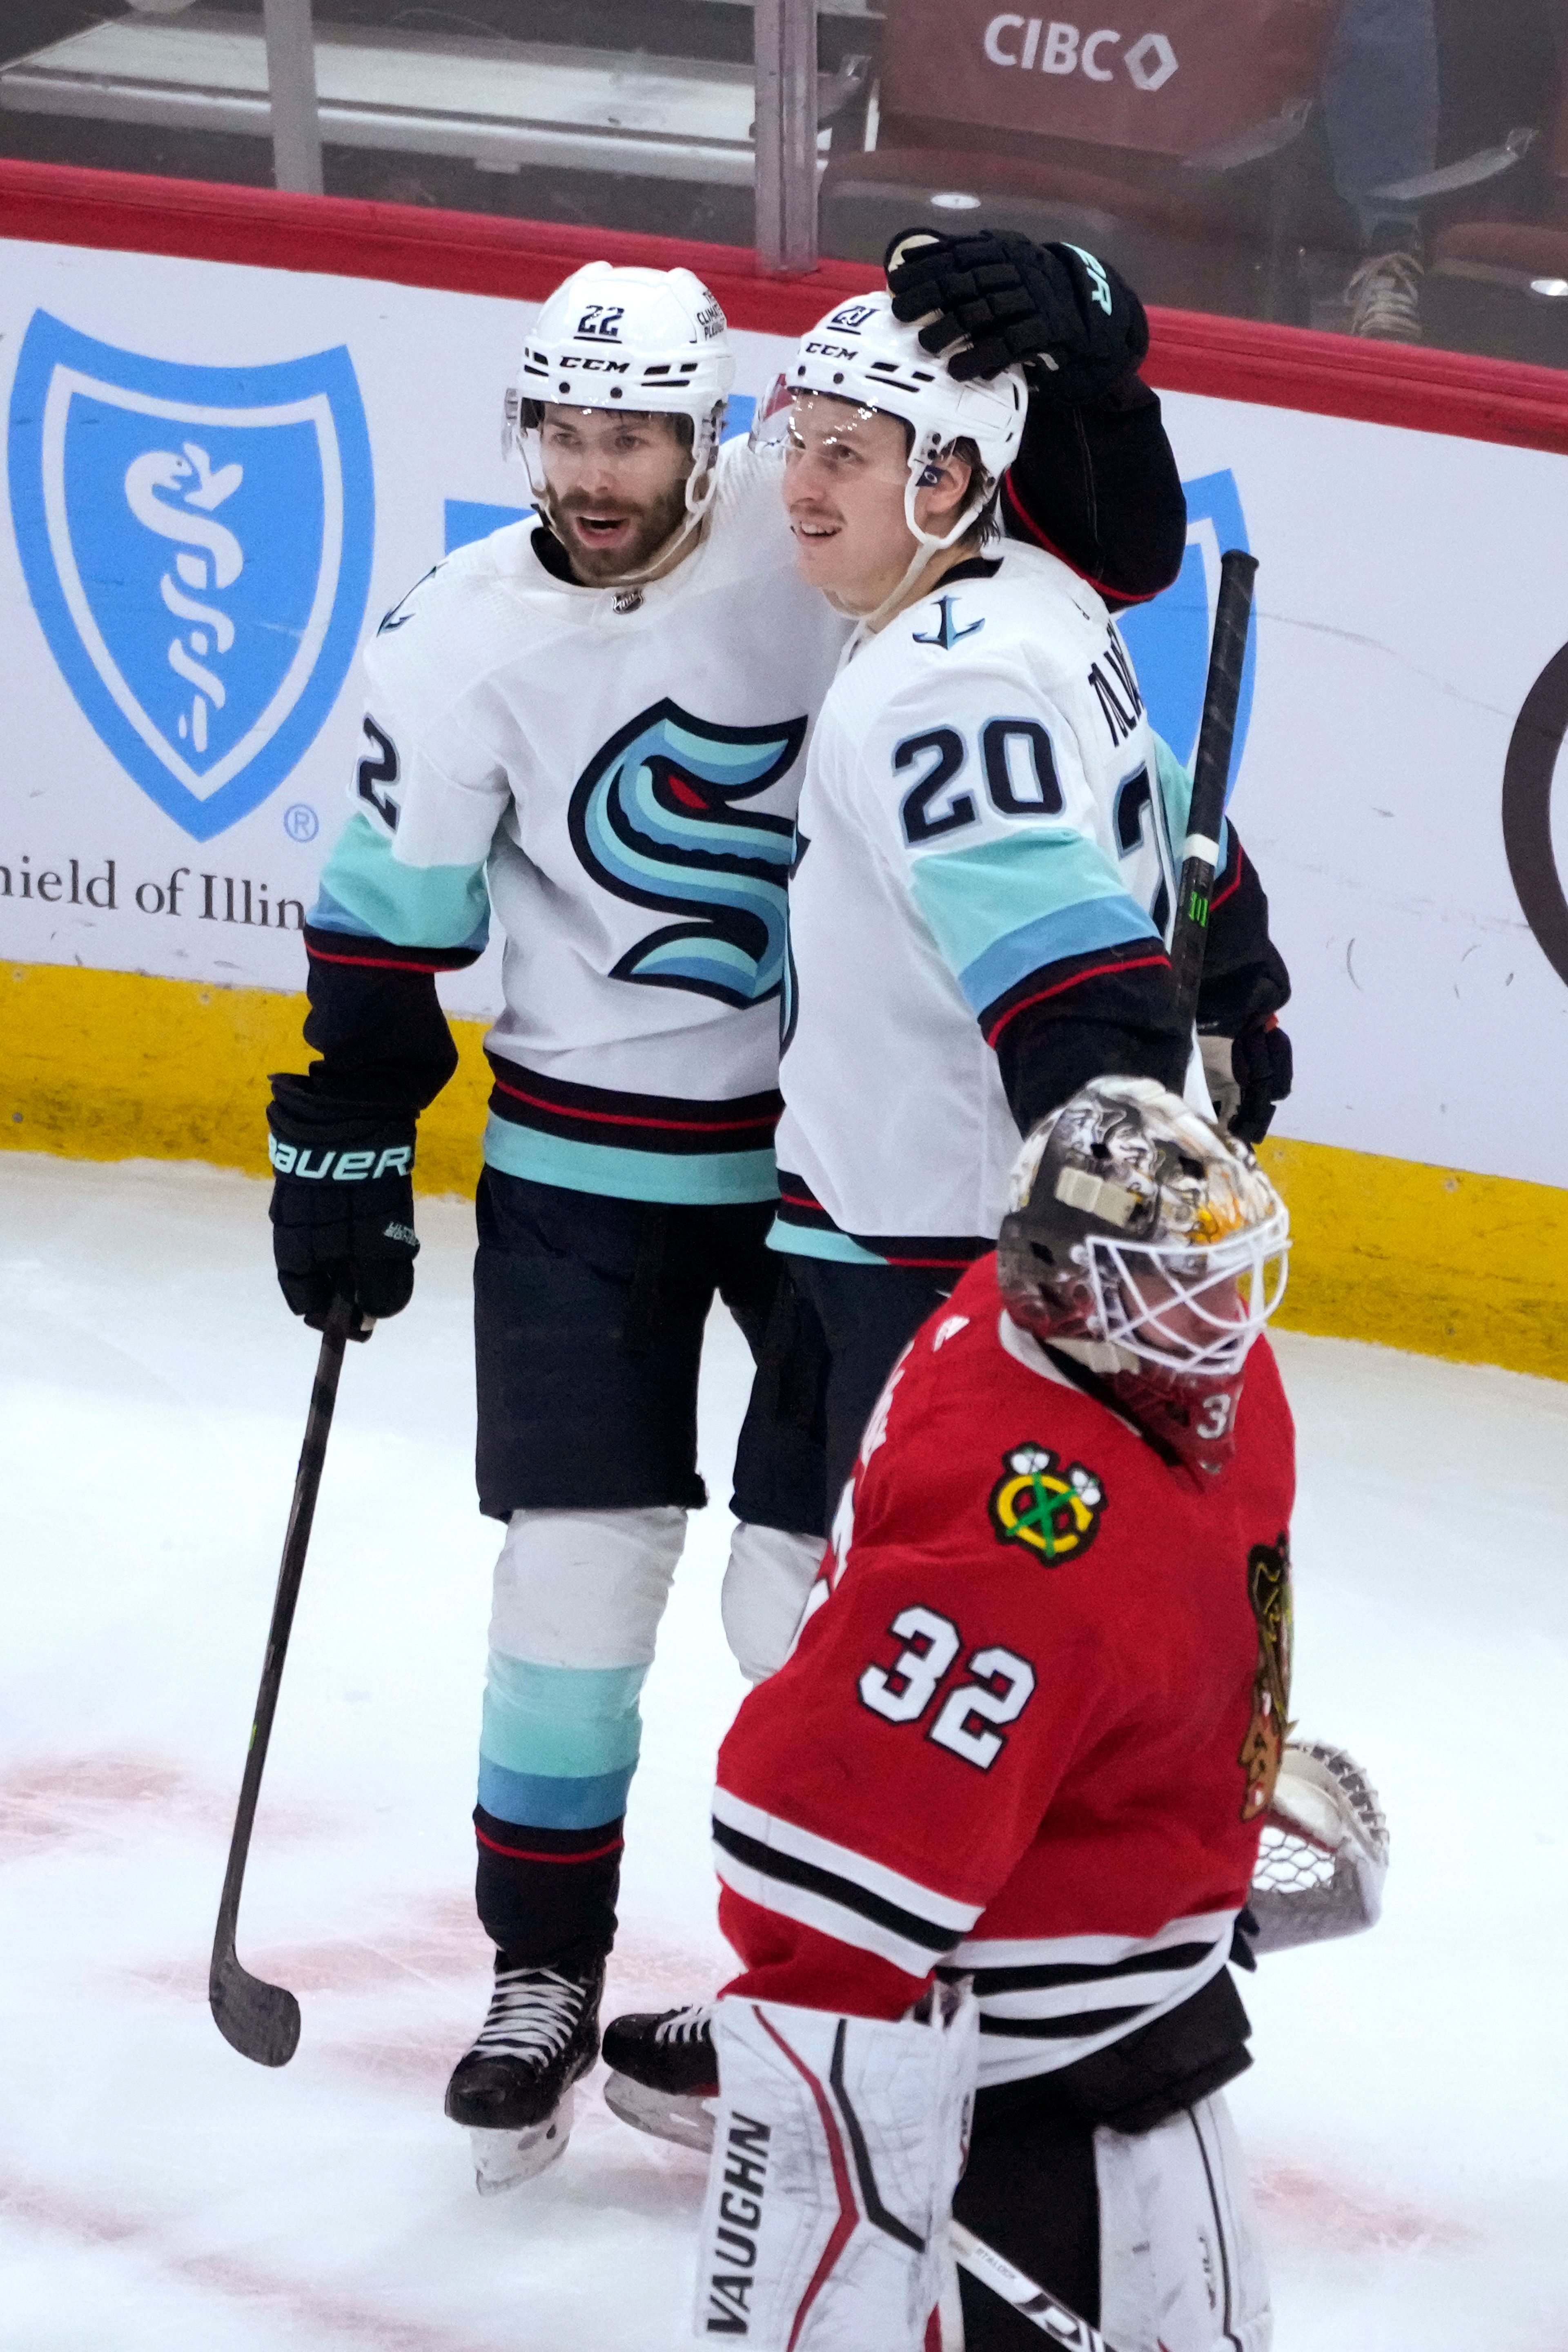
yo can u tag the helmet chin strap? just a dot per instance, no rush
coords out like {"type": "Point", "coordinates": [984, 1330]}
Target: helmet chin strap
{"type": "Point", "coordinates": [927, 546]}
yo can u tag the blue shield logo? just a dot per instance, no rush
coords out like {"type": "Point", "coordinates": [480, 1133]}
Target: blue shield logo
{"type": "Point", "coordinates": [196, 541]}
{"type": "Point", "coordinates": [1169, 638]}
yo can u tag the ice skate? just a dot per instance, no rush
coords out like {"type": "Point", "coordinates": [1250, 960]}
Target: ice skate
{"type": "Point", "coordinates": [664, 2075]}
{"type": "Point", "coordinates": [513, 2088]}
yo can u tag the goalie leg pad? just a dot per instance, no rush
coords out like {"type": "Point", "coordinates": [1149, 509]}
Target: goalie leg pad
{"type": "Point", "coordinates": [837, 2148]}
{"type": "Point", "coordinates": [1181, 2265]}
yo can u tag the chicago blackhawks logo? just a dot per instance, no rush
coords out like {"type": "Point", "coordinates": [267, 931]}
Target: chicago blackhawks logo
{"type": "Point", "coordinates": [1268, 1590]}
{"type": "Point", "coordinates": [1052, 1511]}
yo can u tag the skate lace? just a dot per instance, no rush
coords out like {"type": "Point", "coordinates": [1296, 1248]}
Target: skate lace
{"type": "Point", "coordinates": [683, 2025]}
{"type": "Point", "coordinates": [1384, 295]}
{"type": "Point", "coordinates": [533, 2013]}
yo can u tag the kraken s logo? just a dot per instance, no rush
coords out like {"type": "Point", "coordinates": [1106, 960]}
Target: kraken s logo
{"type": "Point", "coordinates": [655, 819]}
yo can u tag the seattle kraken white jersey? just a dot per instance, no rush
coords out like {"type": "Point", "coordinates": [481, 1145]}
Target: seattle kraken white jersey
{"type": "Point", "coordinates": [985, 800]}
{"type": "Point", "coordinates": [616, 774]}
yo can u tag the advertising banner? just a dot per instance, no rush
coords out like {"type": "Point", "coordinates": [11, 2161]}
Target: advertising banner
{"type": "Point", "coordinates": [219, 477]}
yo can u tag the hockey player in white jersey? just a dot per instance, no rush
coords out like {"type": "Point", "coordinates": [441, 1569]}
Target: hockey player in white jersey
{"type": "Point", "coordinates": [984, 871]}
{"type": "Point", "coordinates": [593, 725]}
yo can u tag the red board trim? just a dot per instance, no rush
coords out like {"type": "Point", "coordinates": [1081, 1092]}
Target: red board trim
{"type": "Point", "coordinates": [1223, 359]}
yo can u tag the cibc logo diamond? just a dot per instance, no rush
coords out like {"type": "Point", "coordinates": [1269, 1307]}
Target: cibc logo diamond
{"type": "Point", "coordinates": [197, 542]}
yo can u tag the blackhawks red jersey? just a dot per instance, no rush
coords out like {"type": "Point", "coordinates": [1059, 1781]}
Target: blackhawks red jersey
{"type": "Point", "coordinates": [1033, 1719]}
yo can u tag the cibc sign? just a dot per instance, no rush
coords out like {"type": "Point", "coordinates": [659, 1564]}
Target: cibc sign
{"type": "Point", "coordinates": [1057, 49]}
{"type": "Point", "coordinates": [1180, 78]}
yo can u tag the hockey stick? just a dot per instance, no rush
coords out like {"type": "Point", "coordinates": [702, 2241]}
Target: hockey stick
{"type": "Point", "coordinates": [1210, 775]}
{"type": "Point", "coordinates": [1028, 2299]}
{"type": "Point", "coordinates": [262, 2020]}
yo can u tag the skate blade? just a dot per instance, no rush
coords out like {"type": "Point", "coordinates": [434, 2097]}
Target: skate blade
{"type": "Point", "coordinates": [504, 2160]}
{"type": "Point", "coordinates": [687, 2122]}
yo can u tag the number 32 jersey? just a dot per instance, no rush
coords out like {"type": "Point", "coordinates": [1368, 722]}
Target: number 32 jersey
{"type": "Point", "coordinates": [1033, 1719]}
{"type": "Point", "coordinates": [985, 827]}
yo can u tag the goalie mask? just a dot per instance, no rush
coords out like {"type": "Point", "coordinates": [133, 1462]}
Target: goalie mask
{"type": "Point", "coordinates": [648, 342]}
{"type": "Point", "coordinates": [1152, 1246]}
{"type": "Point", "coordinates": [863, 358]}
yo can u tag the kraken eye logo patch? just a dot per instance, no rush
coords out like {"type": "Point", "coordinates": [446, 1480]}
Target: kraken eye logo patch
{"type": "Point", "coordinates": [1052, 1511]}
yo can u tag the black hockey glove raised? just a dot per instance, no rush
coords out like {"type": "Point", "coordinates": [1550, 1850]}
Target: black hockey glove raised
{"type": "Point", "coordinates": [342, 1204]}
{"type": "Point", "coordinates": [1078, 327]}
{"type": "Point", "coordinates": [1247, 1074]}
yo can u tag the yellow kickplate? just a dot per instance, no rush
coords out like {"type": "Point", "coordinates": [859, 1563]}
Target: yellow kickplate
{"type": "Point", "coordinates": [116, 1066]}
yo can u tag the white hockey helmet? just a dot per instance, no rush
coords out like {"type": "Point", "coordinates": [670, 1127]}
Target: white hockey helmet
{"type": "Point", "coordinates": [860, 353]}
{"type": "Point", "coordinates": [653, 340]}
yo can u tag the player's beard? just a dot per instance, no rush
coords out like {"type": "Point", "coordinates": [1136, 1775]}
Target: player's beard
{"type": "Point", "coordinates": [656, 525]}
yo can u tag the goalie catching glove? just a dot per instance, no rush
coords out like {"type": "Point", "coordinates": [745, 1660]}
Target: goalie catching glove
{"type": "Point", "coordinates": [1078, 327]}
{"type": "Point", "coordinates": [1324, 1854]}
{"type": "Point", "coordinates": [839, 2144]}
{"type": "Point", "coordinates": [342, 1204]}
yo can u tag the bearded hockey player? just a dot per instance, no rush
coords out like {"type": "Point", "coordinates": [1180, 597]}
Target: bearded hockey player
{"type": "Point", "coordinates": [984, 880]}
{"type": "Point", "coordinates": [1027, 1741]}
{"type": "Point", "coordinates": [593, 725]}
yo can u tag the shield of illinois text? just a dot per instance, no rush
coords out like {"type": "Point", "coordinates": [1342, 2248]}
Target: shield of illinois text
{"type": "Point", "coordinates": [197, 542]}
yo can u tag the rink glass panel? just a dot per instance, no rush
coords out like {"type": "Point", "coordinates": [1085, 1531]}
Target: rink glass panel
{"type": "Point", "coordinates": [1244, 157]}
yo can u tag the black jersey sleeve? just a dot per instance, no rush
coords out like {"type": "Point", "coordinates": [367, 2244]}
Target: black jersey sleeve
{"type": "Point", "coordinates": [377, 1022]}
{"type": "Point", "coordinates": [1109, 1013]}
{"type": "Point", "coordinates": [1096, 483]}
{"type": "Point", "coordinates": [1112, 1013]}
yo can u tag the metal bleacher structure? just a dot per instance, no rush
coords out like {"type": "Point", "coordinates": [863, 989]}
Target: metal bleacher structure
{"type": "Point", "coordinates": [500, 105]}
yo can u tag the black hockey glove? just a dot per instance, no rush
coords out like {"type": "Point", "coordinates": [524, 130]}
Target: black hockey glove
{"type": "Point", "coordinates": [342, 1204]}
{"type": "Point", "coordinates": [1247, 1074]}
{"type": "Point", "coordinates": [1078, 328]}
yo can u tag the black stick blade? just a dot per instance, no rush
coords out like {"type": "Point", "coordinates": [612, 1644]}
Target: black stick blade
{"type": "Point", "coordinates": [260, 2021]}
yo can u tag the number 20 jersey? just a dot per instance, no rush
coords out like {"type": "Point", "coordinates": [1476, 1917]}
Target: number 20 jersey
{"type": "Point", "coordinates": [1033, 1721]}
{"type": "Point", "coordinates": [986, 823]}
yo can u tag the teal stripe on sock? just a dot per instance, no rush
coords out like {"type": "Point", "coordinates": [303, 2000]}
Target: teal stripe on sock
{"type": "Point", "coordinates": [564, 1723]}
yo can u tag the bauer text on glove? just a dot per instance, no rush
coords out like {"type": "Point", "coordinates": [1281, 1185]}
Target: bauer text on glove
{"type": "Point", "coordinates": [342, 1203]}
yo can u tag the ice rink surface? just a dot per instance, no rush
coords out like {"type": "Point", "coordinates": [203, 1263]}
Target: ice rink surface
{"type": "Point", "coordinates": [1406, 2119]}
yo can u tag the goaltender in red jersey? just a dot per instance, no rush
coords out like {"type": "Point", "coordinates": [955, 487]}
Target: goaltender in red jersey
{"type": "Point", "coordinates": [991, 1829]}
